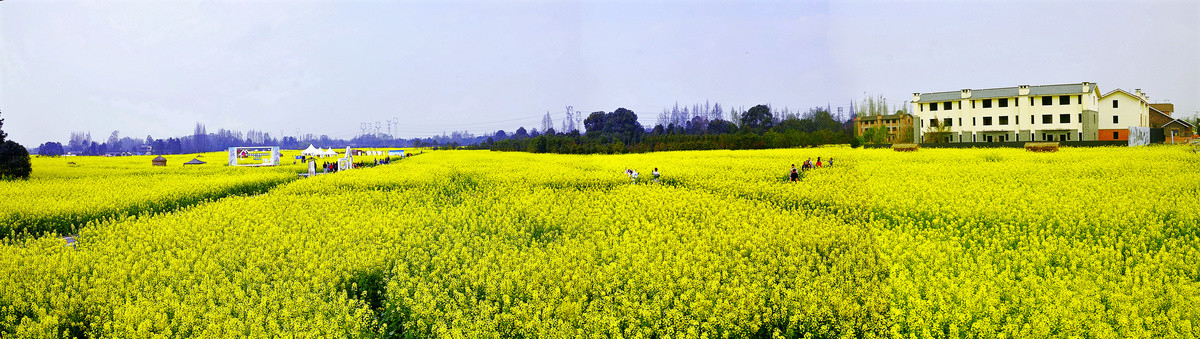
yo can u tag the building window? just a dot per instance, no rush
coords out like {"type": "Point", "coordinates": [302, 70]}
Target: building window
{"type": "Point", "coordinates": [987, 103]}
{"type": "Point", "coordinates": [1115, 119]}
{"type": "Point", "coordinates": [1004, 120]}
{"type": "Point", "coordinates": [1018, 117]}
{"type": "Point", "coordinates": [960, 104]}
{"type": "Point", "coordinates": [1080, 117]}
{"type": "Point", "coordinates": [960, 123]}
{"type": "Point", "coordinates": [1047, 100]}
{"type": "Point", "coordinates": [1079, 99]}
{"type": "Point", "coordinates": [1064, 118]}
{"type": "Point", "coordinates": [1002, 102]}
{"type": "Point", "coordinates": [987, 121]}
{"type": "Point", "coordinates": [1064, 100]}
{"type": "Point", "coordinates": [948, 122]}
{"type": "Point", "coordinates": [921, 107]}
{"type": "Point", "coordinates": [933, 107]}
{"type": "Point", "coordinates": [1031, 104]}
{"type": "Point", "coordinates": [933, 122]}
{"type": "Point", "coordinates": [1116, 135]}
{"type": "Point", "coordinates": [973, 121]}
{"type": "Point", "coordinates": [946, 105]}
{"type": "Point", "coordinates": [1114, 103]}
{"type": "Point", "coordinates": [1047, 119]}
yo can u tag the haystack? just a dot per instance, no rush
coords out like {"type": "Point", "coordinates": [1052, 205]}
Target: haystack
{"type": "Point", "coordinates": [1041, 146]}
{"type": "Point", "coordinates": [905, 147]}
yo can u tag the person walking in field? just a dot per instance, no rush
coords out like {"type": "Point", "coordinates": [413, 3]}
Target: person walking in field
{"type": "Point", "coordinates": [655, 173]}
{"type": "Point", "coordinates": [634, 176]}
{"type": "Point", "coordinates": [830, 163]}
{"type": "Point", "coordinates": [794, 175]}
{"type": "Point", "coordinates": [818, 162]}
{"type": "Point", "coordinates": [807, 165]}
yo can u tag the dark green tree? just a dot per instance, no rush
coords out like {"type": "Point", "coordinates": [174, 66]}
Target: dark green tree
{"type": "Point", "coordinates": [51, 148]}
{"type": "Point", "coordinates": [624, 125]}
{"type": "Point", "coordinates": [757, 119]}
{"type": "Point", "coordinates": [720, 126]}
{"type": "Point", "coordinates": [595, 123]}
{"type": "Point", "coordinates": [14, 158]}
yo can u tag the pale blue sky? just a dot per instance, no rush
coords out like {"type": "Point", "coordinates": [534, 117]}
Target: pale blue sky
{"type": "Point", "coordinates": [324, 67]}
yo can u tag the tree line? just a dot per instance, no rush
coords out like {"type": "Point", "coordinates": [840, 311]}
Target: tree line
{"type": "Point", "coordinates": [82, 143]}
{"type": "Point", "coordinates": [700, 128]}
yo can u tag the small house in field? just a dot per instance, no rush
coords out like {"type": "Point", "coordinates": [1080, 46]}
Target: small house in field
{"type": "Point", "coordinates": [160, 161]}
{"type": "Point", "coordinates": [194, 162]}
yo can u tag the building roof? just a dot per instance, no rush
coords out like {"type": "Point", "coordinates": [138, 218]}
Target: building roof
{"type": "Point", "coordinates": [1181, 122]}
{"type": "Point", "coordinates": [195, 162]}
{"type": "Point", "coordinates": [1167, 108]}
{"type": "Point", "coordinates": [940, 96]}
{"type": "Point", "coordinates": [1006, 92]}
{"type": "Point", "coordinates": [160, 158]}
{"type": "Point", "coordinates": [1135, 96]}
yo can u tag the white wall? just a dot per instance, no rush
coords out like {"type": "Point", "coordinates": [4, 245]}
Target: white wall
{"type": "Point", "coordinates": [1130, 111]}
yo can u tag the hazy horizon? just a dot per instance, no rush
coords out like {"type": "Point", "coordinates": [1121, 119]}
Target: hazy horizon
{"type": "Point", "coordinates": [151, 68]}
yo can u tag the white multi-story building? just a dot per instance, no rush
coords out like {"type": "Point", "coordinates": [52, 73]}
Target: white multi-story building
{"type": "Point", "coordinates": [1024, 113]}
{"type": "Point", "coordinates": [1120, 110]}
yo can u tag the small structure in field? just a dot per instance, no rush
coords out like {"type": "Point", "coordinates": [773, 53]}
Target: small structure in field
{"type": "Point", "coordinates": [254, 156]}
{"type": "Point", "coordinates": [905, 147]}
{"type": "Point", "coordinates": [194, 161]}
{"type": "Point", "coordinates": [160, 161]}
{"type": "Point", "coordinates": [1041, 146]}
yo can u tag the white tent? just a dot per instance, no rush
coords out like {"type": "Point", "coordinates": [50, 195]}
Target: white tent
{"type": "Point", "coordinates": [310, 151]}
{"type": "Point", "coordinates": [329, 152]}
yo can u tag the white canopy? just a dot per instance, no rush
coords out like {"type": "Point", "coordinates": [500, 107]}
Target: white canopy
{"type": "Point", "coordinates": [311, 151]}
{"type": "Point", "coordinates": [329, 152]}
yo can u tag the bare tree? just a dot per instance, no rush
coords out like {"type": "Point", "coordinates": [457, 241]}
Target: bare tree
{"type": "Point", "coordinates": [547, 122]}
{"type": "Point", "coordinates": [113, 139]}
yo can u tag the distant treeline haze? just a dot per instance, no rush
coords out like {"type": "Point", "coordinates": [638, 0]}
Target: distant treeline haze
{"type": "Point", "coordinates": [700, 126]}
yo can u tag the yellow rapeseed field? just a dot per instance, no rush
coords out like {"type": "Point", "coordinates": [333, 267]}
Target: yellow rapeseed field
{"type": "Point", "coordinates": [65, 193]}
{"type": "Point", "coordinates": [1095, 242]}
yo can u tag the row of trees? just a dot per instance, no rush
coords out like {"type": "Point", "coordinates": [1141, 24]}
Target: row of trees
{"type": "Point", "coordinates": [620, 132]}
{"type": "Point", "coordinates": [201, 140]}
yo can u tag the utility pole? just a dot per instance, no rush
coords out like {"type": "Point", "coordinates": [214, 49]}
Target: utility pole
{"type": "Point", "coordinates": [569, 123]}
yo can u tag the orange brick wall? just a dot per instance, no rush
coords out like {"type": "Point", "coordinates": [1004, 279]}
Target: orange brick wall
{"type": "Point", "coordinates": [1107, 134]}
